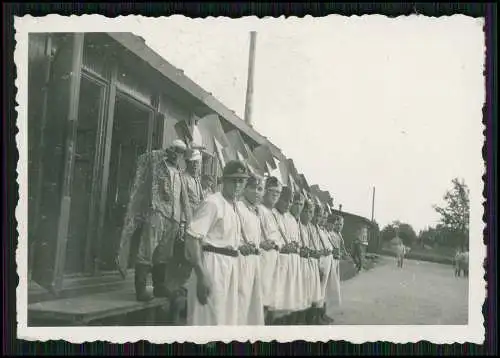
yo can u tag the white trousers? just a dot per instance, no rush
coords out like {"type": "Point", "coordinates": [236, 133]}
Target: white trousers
{"type": "Point", "coordinates": [325, 265]}
{"type": "Point", "coordinates": [222, 305]}
{"type": "Point", "coordinates": [332, 295]}
{"type": "Point", "coordinates": [299, 284]}
{"type": "Point", "coordinates": [250, 306]}
{"type": "Point", "coordinates": [313, 282]}
{"type": "Point", "coordinates": [268, 262]}
{"type": "Point", "coordinates": [285, 283]}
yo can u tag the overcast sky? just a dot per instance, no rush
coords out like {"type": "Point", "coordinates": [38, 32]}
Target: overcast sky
{"type": "Point", "coordinates": [355, 102]}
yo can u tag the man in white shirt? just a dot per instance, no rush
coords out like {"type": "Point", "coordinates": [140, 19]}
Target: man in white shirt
{"type": "Point", "coordinates": [250, 305]}
{"type": "Point", "coordinates": [213, 238]}
{"type": "Point", "coordinates": [335, 223]}
{"type": "Point", "coordinates": [195, 193]}
{"type": "Point", "coordinates": [271, 237]}
{"type": "Point", "coordinates": [285, 284]}
{"type": "Point", "coordinates": [311, 275]}
{"type": "Point", "coordinates": [292, 220]}
{"type": "Point", "coordinates": [327, 265]}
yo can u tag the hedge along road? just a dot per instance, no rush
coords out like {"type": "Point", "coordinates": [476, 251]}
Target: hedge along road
{"type": "Point", "coordinates": [419, 293]}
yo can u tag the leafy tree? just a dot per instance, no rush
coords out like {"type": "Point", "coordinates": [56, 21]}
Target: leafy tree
{"type": "Point", "coordinates": [406, 232]}
{"type": "Point", "coordinates": [455, 213]}
{"type": "Point", "coordinates": [438, 236]}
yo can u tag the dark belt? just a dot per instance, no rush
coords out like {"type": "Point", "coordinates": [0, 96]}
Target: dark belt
{"type": "Point", "coordinates": [251, 251]}
{"type": "Point", "coordinates": [288, 252]}
{"type": "Point", "coordinates": [274, 248]}
{"type": "Point", "coordinates": [315, 255]}
{"type": "Point", "coordinates": [304, 252]}
{"type": "Point", "coordinates": [221, 250]}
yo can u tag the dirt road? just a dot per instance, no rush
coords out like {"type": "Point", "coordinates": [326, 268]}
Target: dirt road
{"type": "Point", "coordinates": [419, 293]}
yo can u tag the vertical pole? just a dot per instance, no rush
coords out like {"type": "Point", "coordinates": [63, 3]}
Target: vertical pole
{"type": "Point", "coordinates": [107, 147]}
{"type": "Point", "coordinates": [58, 151]}
{"type": "Point", "coordinates": [251, 66]}
{"type": "Point", "coordinates": [373, 203]}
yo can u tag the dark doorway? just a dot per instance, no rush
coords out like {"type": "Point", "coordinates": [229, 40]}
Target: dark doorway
{"type": "Point", "coordinates": [131, 137]}
{"type": "Point", "coordinates": [81, 226]}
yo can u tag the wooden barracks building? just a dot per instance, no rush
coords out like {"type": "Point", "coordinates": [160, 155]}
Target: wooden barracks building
{"type": "Point", "coordinates": [97, 101]}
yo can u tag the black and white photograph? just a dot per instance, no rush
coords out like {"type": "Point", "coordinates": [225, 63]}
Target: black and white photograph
{"type": "Point", "coordinates": [250, 179]}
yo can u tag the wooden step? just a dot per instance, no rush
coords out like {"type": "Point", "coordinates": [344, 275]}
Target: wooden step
{"type": "Point", "coordinates": [84, 309]}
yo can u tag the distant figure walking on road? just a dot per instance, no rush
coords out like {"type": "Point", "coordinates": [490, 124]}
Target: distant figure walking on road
{"type": "Point", "coordinates": [461, 262]}
{"type": "Point", "coordinates": [400, 249]}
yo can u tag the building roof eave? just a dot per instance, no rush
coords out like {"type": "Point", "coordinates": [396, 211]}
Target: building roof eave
{"type": "Point", "coordinates": [138, 47]}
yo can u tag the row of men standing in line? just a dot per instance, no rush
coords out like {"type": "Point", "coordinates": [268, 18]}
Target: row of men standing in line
{"type": "Point", "coordinates": [275, 262]}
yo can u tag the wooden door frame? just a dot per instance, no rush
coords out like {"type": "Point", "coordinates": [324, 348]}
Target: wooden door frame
{"type": "Point", "coordinates": [40, 148]}
{"type": "Point", "coordinates": [114, 94]}
{"type": "Point", "coordinates": [71, 124]}
{"type": "Point", "coordinates": [89, 259]}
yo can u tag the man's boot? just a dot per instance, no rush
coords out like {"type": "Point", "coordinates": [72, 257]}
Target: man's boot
{"type": "Point", "coordinates": [159, 287]}
{"type": "Point", "coordinates": [323, 318]}
{"type": "Point", "coordinates": [141, 275]}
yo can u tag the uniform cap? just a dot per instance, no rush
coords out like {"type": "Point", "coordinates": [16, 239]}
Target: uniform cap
{"type": "Point", "coordinates": [235, 169]}
{"type": "Point", "coordinates": [272, 182]}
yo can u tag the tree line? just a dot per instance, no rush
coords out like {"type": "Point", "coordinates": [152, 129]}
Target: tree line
{"type": "Point", "coordinates": [452, 229]}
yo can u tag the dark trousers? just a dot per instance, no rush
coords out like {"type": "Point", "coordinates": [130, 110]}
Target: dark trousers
{"type": "Point", "coordinates": [358, 255]}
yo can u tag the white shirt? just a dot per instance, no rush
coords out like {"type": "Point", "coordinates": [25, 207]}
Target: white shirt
{"type": "Point", "coordinates": [269, 227]}
{"type": "Point", "coordinates": [325, 239]}
{"type": "Point", "coordinates": [314, 238]}
{"type": "Point", "coordinates": [291, 228]}
{"type": "Point", "coordinates": [279, 220]}
{"type": "Point", "coordinates": [336, 239]}
{"type": "Point", "coordinates": [215, 223]}
{"type": "Point", "coordinates": [250, 222]}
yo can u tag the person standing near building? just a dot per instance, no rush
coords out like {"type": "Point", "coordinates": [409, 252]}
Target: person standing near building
{"type": "Point", "coordinates": [157, 204]}
{"type": "Point", "coordinates": [324, 263]}
{"type": "Point", "coordinates": [327, 266]}
{"type": "Point", "coordinates": [271, 237]}
{"type": "Point", "coordinates": [178, 269]}
{"type": "Point", "coordinates": [288, 262]}
{"type": "Point", "coordinates": [250, 304]}
{"type": "Point", "coordinates": [335, 223]}
{"type": "Point", "coordinates": [360, 244]}
{"type": "Point", "coordinates": [292, 222]}
{"type": "Point", "coordinates": [194, 188]}
{"type": "Point", "coordinates": [213, 238]}
{"type": "Point", "coordinates": [312, 274]}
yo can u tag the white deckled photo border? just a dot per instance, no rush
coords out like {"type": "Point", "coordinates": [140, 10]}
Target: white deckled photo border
{"type": "Point", "coordinates": [473, 332]}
